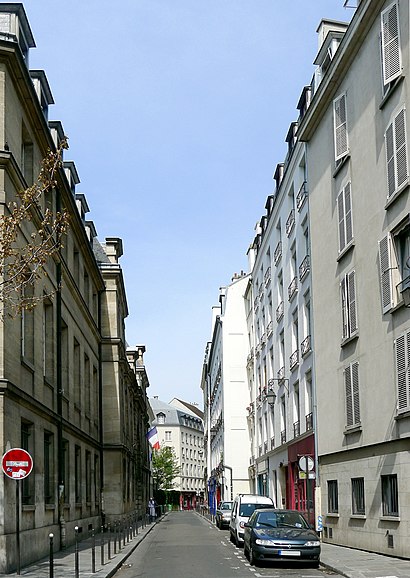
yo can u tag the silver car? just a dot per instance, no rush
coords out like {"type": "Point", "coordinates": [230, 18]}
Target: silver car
{"type": "Point", "coordinates": [223, 514]}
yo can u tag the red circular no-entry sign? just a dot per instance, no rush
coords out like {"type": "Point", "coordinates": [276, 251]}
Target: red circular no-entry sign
{"type": "Point", "coordinates": [17, 463]}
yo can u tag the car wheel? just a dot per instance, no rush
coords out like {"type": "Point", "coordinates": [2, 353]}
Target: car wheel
{"type": "Point", "coordinates": [237, 544]}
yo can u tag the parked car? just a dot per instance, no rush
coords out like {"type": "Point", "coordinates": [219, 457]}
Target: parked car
{"type": "Point", "coordinates": [223, 514]}
{"type": "Point", "coordinates": [243, 507]}
{"type": "Point", "coordinates": [272, 534]}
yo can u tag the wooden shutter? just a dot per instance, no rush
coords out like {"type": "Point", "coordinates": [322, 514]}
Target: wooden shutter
{"type": "Point", "coordinates": [390, 34]}
{"type": "Point", "coordinates": [349, 397]}
{"type": "Point", "coordinates": [340, 127]}
{"type": "Point", "coordinates": [355, 392]}
{"type": "Point", "coordinates": [345, 316]}
{"type": "Point", "coordinates": [386, 274]}
{"type": "Point", "coordinates": [402, 173]}
{"type": "Point", "coordinates": [341, 213]}
{"type": "Point", "coordinates": [351, 288]}
{"type": "Point", "coordinates": [348, 213]}
{"type": "Point", "coordinates": [390, 160]}
{"type": "Point", "coordinates": [402, 371]}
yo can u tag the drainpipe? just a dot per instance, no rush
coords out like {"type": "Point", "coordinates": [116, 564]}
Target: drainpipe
{"type": "Point", "coordinates": [100, 411]}
{"type": "Point", "coordinates": [60, 449]}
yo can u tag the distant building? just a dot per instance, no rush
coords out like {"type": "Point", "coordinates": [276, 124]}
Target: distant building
{"type": "Point", "coordinates": [180, 426]}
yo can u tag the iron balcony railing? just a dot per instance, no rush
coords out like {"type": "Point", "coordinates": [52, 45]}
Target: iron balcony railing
{"type": "Point", "coordinates": [294, 359]}
{"type": "Point", "coordinates": [283, 436]}
{"type": "Point", "coordinates": [293, 287]}
{"type": "Point", "coordinates": [290, 223]}
{"type": "Point", "coordinates": [296, 429]}
{"type": "Point", "coordinates": [301, 196]}
{"type": "Point", "coordinates": [304, 268]}
{"type": "Point", "coordinates": [277, 253]}
{"type": "Point", "coordinates": [306, 346]}
{"type": "Point", "coordinates": [309, 421]}
{"type": "Point", "coordinates": [280, 311]}
{"type": "Point", "coordinates": [267, 276]}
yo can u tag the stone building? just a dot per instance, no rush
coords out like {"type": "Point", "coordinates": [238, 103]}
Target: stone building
{"type": "Point", "coordinates": [60, 363]}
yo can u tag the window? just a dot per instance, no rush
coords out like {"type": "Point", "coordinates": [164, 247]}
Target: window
{"type": "Point", "coordinates": [160, 418]}
{"type": "Point", "coordinates": [48, 468]}
{"type": "Point", "coordinates": [396, 153]}
{"type": "Point", "coordinates": [394, 254]}
{"type": "Point", "coordinates": [390, 495]}
{"type": "Point", "coordinates": [390, 38]}
{"type": "Point", "coordinates": [65, 472]}
{"type": "Point", "coordinates": [77, 374]}
{"type": "Point", "coordinates": [344, 207]}
{"type": "Point", "coordinates": [351, 380]}
{"type": "Point", "coordinates": [88, 476]}
{"type": "Point", "coordinates": [358, 506]}
{"type": "Point", "coordinates": [402, 346]}
{"type": "Point", "coordinates": [167, 436]}
{"type": "Point", "coordinates": [332, 497]}
{"type": "Point", "coordinates": [48, 342]}
{"type": "Point", "coordinates": [77, 474]}
{"type": "Point", "coordinates": [340, 127]}
{"type": "Point", "coordinates": [348, 297]}
{"type": "Point", "coordinates": [27, 443]}
{"type": "Point", "coordinates": [27, 325]}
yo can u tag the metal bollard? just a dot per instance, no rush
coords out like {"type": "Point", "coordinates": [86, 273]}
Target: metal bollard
{"type": "Point", "coordinates": [76, 556]}
{"type": "Point", "coordinates": [115, 537]}
{"type": "Point", "coordinates": [109, 541]}
{"type": "Point", "coordinates": [51, 574]}
{"type": "Point", "coordinates": [102, 545]}
{"type": "Point", "coordinates": [93, 550]}
{"type": "Point", "coordinates": [136, 524]}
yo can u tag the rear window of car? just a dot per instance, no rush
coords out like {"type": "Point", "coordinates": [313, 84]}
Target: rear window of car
{"type": "Point", "coordinates": [226, 506]}
{"type": "Point", "coordinates": [247, 510]}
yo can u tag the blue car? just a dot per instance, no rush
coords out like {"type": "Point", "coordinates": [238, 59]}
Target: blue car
{"type": "Point", "coordinates": [284, 535]}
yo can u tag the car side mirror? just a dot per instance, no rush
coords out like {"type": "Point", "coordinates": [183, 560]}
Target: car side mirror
{"type": "Point", "coordinates": [247, 525]}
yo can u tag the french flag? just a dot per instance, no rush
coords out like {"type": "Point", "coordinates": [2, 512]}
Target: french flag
{"type": "Point", "coordinates": [152, 437]}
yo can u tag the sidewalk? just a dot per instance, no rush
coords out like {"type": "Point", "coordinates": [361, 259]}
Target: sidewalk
{"type": "Point", "coordinates": [64, 561]}
{"type": "Point", "coordinates": [347, 562]}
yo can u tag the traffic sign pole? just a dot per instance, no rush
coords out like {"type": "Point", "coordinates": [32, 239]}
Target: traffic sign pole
{"type": "Point", "coordinates": [18, 496]}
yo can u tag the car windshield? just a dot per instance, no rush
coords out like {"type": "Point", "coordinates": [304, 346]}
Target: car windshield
{"type": "Point", "coordinates": [280, 520]}
{"type": "Point", "coordinates": [226, 506]}
{"type": "Point", "coordinates": [247, 510]}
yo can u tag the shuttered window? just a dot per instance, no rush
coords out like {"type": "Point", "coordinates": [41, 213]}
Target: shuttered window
{"type": "Point", "coordinates": [396, 153]}
{"type": "Point", "coordinates": [340, 127]}
{"type": "Point", "coordinates": [349, 312]}
{"type": "Point", "coordinates": [344, 206]}
{"type": "Point", "coordinates": [390, 37]}
{"type": "Point", "coordinates": [386, 273]}
{"type": "Point", "coordinates": [402, 347]}
{"type": "Point", "coordinates": [351, 378]}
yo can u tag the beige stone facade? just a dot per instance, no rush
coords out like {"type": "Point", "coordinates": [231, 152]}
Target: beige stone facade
{"type": "Point", "coordinates": [64, 366]}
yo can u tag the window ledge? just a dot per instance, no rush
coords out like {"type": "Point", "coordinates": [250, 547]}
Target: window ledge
{"type": "Point", "coordinates": [352, 429]}
{"type": "Point", "coordinates": [392, 87]}
{"type": "Point", "coordinates": [345, 250]}
{"type": "Point", "coordinates": [358, 516]}
{"type": "Point", "coordinates": [399, 191]}
{"type": "Point", "coordinates": [50, 506]}
{"type": "Point", "coordinates": [29, 507]}
{"type": "Point", "coordinates": [332, 515]}
{"type": "Point", "coordinates": [389, 518]}
{"type": "Point", "coordinates": [402, 414]}
{"type": "Point", "coordinates": [349, 339]}
{"type": "Point", "coordinates": [341, 163]}
{"type": "Point", "coordinates": [27, 363]}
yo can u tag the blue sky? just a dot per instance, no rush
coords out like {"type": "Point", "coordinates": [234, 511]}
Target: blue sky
{"type": "Point", "coordinates": [176, 113]}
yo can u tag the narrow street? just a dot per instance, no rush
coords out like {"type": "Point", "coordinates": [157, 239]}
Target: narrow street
{"type": "Point", "coordinates": [185, 545]}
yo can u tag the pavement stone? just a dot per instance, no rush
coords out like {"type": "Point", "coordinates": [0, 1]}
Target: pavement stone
{"type": "Point", "coordinates": [347, 562]}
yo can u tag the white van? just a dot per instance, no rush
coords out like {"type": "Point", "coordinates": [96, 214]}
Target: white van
{"type": "Point", "coordinates": [243, 507]}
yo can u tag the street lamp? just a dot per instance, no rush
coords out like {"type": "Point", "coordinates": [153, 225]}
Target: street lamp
{"type": "Point", "coordinates": [270, 394]}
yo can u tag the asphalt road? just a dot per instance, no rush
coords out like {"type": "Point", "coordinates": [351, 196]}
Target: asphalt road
{"type": "Point", "coordinates": [185, 545]}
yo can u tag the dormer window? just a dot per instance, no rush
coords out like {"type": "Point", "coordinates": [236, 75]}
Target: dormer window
{"type": "Point", "coordinates": [160, 418]}
{"type": "Point", "coordinates": [71, 174]}
{"type": "Point", "coordinates": [14, 27]}
{"type": "Point", "coordinates": [42, 89]}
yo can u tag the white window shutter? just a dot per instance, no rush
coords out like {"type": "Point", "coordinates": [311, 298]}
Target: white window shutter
{"type": "Point", "coordinates": [349, 397]}
{"type": "Point", "coordinates": [348, 213]}
{"type": "Point", "coordinates": [345, 316]}
{"type": "Point", "coordinates": [341, 214]}
{"type": "Point", "coordinates": [390, 160]}
{"type": "Point", "coordinates": [340, 127]}
{"type": "Point", "coordinates": [402, 371]}
{"type": "Point", "coordinates": [355, 392]}
{"type": "Point", "coordinates": [390, 34]}
{"type": "Point", "coordinates": [351, 282]}
{"type": "Point", "coordinates": [386, 274]}
{"type": "Point", "coordinates": [402, 173]}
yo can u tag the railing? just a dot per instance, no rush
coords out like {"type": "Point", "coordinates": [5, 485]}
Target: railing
{"type": "Point", "coordinates": [265, 447]}
{"type": "Point", "coordinates": [283, 436]}
{"type": "Point", "coordinates": [290, 223]}
{"type": "Point", "coordinates": [281, 373]}
{"type": "Point", "coordinates": [267, 276]}
{"type": "Point", "coordinates": [293, 287]}
{"type": "Point", "coordinates": [278, 253]}
{"type": "Point", "coordinates": [301, 196]}
{"type": "Point", "coordinates": [272, 443]}
{"type": "Point", "coordinates": [256, 303]}
{"type": "Point", "coordinates": [304, 268]}
{"type": "Point", "coordinates": [309, 421]}
{"type": "Point", "coordinates": [294, 359]}
{"type": "Point", "coordinates": [306, 346]}
{"type": "Point", "coordinates": [280, 311]}
{"type": "Point", "coordinates": [260, 450]}
{"type": "Point", "coordinates": [269, 329]}
{"type": "Point", "coordinates": [263, 338]}
{"type": "Point", "coordinates": [296, 429]}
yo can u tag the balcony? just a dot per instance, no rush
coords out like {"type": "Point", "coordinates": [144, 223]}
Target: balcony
{"type": "Point", "coordinates": [283, 436]}
{"type": "Point", "coordinates": [296, 429]}
{"type": "Point", "coordinates": [277, 255]}
{"type": "Point", "coordinates": [301, 196]}
{"type": "Point", "coordinates": [306, 346]}
{"type": "Point", "coordinates": [294, 359]}
{"type": "Point", "coordinates": [263, 338]}
{"type": "Point", "coordinates": [281, 373]}
{"type": "Point", "coordinates": [260, 291]}
{"type": "Point", "coordinates": [290, 223]}
{"type": "Point", "coordinates": [304, 268]}
{"type": "Point", "coordinates": [280, 311]}
{"type": "Point", "coordinates": [292, 289]}
{"type": "Point", "coordinates": [309, 421]}
{"type": "Point", "coordinates": [267, 276]}
{"type": "Point", "coordinates": [265, 447]}
{"type": "Point", "coordinates": [272, 443]}
{"type": "Point", "coordinates": [269, 329]}
{"type": "Point", "coordinates": [260, 450]}
{"type": "Point", "coordinates": [256, 304]}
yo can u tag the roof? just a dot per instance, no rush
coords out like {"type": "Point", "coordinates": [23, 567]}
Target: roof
{"type": "Point", "coordinates": [173, 415]}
